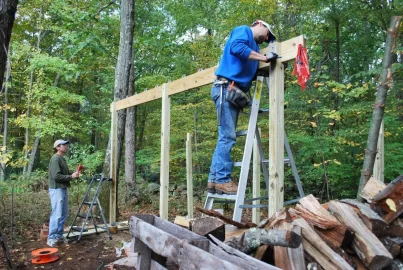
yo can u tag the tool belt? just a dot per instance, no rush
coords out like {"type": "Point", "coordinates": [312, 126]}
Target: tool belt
{"type": "Point", "coordinates": [235, 95]}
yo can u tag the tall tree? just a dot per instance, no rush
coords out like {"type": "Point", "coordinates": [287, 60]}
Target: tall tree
{"type": "Point", "coordinates": [8, 8]}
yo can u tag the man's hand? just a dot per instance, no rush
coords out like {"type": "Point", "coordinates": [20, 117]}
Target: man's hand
{"type": "Point", "coordinates": [75, 175]}
{"type": "Point", "coordinates": [271, 56]}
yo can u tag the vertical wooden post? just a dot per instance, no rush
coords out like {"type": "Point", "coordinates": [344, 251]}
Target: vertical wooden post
{"type": "Point", "coordinates": [256, 182]}
{"type": "Point", "coordinates": [276, 133]}
{"type": "Point", "coordinates": [113, 168]}
{"type": "Point", "coordinates": [379, 166]}
{"type": "Point", "coordinates": [165, 136]}
{"type": "Point", "coordinates": [189, 176]}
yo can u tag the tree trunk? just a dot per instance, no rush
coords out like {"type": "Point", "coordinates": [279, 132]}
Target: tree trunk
{"type": "Point", "coordinates": [130, 139]}
{"type": "Point", "coordinates": [122, 75]}
{"type": "Point", "coordinates": [5, 119]}
{"type": "Point", "coordinates": [8, 8]}
{"type": "Point", "coordinates": [379, 107]}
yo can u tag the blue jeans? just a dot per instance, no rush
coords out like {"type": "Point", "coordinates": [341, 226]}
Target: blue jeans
{"type": "Point", "coordinates": [221, 164]}
{"type": "Point", "coordinates": [59, 200]}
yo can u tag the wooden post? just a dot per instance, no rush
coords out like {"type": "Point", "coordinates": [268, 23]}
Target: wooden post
{"type": "Point", "coordinates": [276, 133]}
{"type": "Point", "coordinates": [113, 164]}
{"type": "Point", "coordinates": [379, 166]}
{"type": "Point", "coordinates": [256, 182]}
{"type": "Point", "coordinates": [164, 165]}
{"type": "Point", "coordinates": [189, 176]}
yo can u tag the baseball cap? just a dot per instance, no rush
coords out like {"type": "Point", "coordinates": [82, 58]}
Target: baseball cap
{"type": "Point", "coordinates": [272, 37]}
{"type": "Point", "coordinates": [60, 142]}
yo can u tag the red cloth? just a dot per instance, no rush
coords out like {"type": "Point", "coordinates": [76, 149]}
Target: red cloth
{"type": "Point", "coordinates": [301, 67]}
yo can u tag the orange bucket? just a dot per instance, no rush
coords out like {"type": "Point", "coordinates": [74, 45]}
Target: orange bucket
{"type": "Point", "coordinates": [44, 255]}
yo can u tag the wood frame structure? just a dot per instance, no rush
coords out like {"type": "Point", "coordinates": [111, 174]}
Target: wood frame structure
{"type": "Point", "coordinates": [287, 50]}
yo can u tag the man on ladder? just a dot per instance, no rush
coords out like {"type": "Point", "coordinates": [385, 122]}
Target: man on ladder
{"type": "Point", "coordinates": [238, 67]}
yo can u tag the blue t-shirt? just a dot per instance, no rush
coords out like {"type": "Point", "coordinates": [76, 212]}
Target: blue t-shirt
{"type": "Point", "coordinates": [234, 64]}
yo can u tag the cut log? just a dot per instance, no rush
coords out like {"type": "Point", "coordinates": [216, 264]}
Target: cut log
{"type": "Point", "coordinates": [253, 238]}
{"type": "Point", "coordinates": [396, 228]}
{"type": "Point", "coordinates": [289, 258]}
{"type": "Point", "coordinates": [390, 200]}
{"type": "Point", "coordinates": [182, 221]}
{"type": "Point", "coordinates": [226, 219]}
{"type": "Point", "coordinates": [392, 244]}
{"type": "Point", "coordinates": [319, 250]}
{"type": "Point", "coordinates": [372, 188]}
{"type": "Point", "coordinates": [272, 221]}
{"type": "Point", "coordinates": [208, 225]}
{"type": "Point", "coordinates": [367, 246]}
{"type": "Point", "coordinates": [371, 219]}
{"type": "Point", "coordinates": [250, 262]}
{"type": "Point", "coordinates": [326, 225]}
{"type": "Point", "coordinates": [262, 253]}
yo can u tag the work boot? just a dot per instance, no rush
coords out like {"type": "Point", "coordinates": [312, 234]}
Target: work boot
{"type": "Point", "coordinates": [227, 188]}
{"type": "Point", "coordinates": [211, 187]}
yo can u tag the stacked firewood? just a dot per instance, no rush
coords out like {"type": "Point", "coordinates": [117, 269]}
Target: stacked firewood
{"type": "Point", "coordinates": [345, 234]}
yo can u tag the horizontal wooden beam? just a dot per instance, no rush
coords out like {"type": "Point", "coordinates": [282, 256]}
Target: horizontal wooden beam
{"type": "Point", "coordinates": [201, 78]}
{"type": "Point", "coordinates": [195, 80]}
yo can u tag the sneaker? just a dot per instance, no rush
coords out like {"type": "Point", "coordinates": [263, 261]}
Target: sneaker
{"type": "Point", "coordinates": [228, 188]}
{"type": "Point", "coordinates": [52, 242]}
{"type": "Point", "coordinates": [211, 187]}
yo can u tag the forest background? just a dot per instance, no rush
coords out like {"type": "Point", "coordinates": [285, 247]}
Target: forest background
{"type": "Point", "coordinates": [60, 84]}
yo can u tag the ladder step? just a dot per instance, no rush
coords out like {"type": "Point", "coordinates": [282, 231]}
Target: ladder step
{"type": "Point", "coordinates": [265, 161]}
{"type": "Point", "coordinates": [102, 227]}
{"type": "Point", "coordinates": [253, 206]}
{"type": "Point", "coordinates": [221, 196]}
{"type": "Point", "coordinates": [76, 228]}
{"type": "Point", "coordinates": [84, 216]}
{"type": "Point", "coordinates": [241, 133]}
{"type": "Point", "coordinates": [89, 203]}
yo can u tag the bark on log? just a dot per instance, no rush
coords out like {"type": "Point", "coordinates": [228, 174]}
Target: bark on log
{"type": "Point", "coordinates": [367, 246]}
{"type": "Point", "coordinates": [226, 219]}
{"type": "Point", "coordinates": [371, 219]}
{"type": "Point", "coordinates": [390, 200]}
{"type": "Point", "coordinates": [252, 239]}
{"type": "Point", "coordinates": [320, 250]}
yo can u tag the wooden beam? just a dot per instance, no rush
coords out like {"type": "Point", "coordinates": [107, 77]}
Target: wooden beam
{"type": "Point", "coordinates": [164, 164]}
{"type": "Point", "coordinates": [256, 182]}
{"type": "Point", "coordinates": [113, 164]}
{"type": "Point", "coordinates": [276, 134]}
{"type": "Point", "coordinates": [288, 51]}
{"type": "Point", "coordinates": [189, 177]}
{"type": "Point", "coordinates": [195, 80]}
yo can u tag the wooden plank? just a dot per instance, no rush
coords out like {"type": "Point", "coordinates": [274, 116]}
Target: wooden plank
{"type": "Point", "coordinates": [288, 51]}
{"type": "Point", "coordinates": [165, 143]}
{"type": "Point", "coordinates": [256, 182]}
{"type": "Point", "coordinates": [195, 80]}
{"type": "Point", "coordinates": [325, 252]}
{"type": "Point", "coordinates": [113, 164]}
{"type": "Point", "coordinates": [182, 221]}
{"type": "Point", "coordinates": [276, 133]}
{"type": "Point", "coordinates": [179, 251]}
{"type": "Point", "coordinates": [143, 251]}
{"type": "Point", "coordinates": [189, 176]}
{"type": "Point", "coordinates": [367, 246]}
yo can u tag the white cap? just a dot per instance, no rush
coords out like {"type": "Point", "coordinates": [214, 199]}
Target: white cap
{"type": "Point", "coordinates": [272, 37]}
{"type": "Point", "coordinates": [60, 142]}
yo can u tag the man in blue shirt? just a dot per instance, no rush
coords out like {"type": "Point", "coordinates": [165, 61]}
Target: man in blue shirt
{"type": "Point", "coordinates": [237, 68]}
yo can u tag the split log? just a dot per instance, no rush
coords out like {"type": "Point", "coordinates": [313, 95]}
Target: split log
{"type": "Point", "coordinates": [390, 200]}
{"type": "Point", "coordinates": [253, 238]}
{"type": "Point", "coordinates": [223, 251]}
{"type": "Point", "coordinates": [396, 228]}
{"type": "Point", "coordinates": [393, 245]}
{"type": "Point", "coordinates": [318, 249]}
{"type": "Point", "coordinates": [261, 252]}
{"type": "Point", "coordinates": [367, 246]}
{"type": "Point", "coordinates": [372, 188]}
{"type": "Point", "coordinates": [182, 221]}
{"type": "Point", "coordinates": [289, 258]}
{"type": "Point", "coordinates": [226, 219]}
{"type": "Point", "coordinates": [274, 219]}
{"type": "Point", "coordinates": [334, 233]}
{"type": "Point", "coordinates": [208, 225]}
{"type": "Point", "coordinates": [370, 218]}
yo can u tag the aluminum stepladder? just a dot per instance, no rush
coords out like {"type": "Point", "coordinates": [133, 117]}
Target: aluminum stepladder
{"type": "Point", "coordinates": [83, 215]}
{"type": "Point", "coordinates": [7, 256]}
{"type": "Point", "coordinates": [251, 133]}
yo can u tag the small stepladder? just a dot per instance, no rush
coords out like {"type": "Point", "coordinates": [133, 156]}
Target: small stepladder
{"type": "Point", "coordinates": [7, 256]}
{"type": "Point", "coordinates": [252, 133]}
{"type": "Point", "coordinates": [79, 223]}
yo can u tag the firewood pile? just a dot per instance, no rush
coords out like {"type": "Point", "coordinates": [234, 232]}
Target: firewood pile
{"type": "Point", "coordinates": [345, 234]}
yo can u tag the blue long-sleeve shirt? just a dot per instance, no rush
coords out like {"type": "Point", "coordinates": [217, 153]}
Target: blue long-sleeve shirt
{"type": "Point", "coordinates": [234, 64]}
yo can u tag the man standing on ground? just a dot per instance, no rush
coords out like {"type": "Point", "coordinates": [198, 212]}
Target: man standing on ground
{"type": "Point", "coordinates": [238, 67]}
{"type": "Point", "coordinates": [59, 181]}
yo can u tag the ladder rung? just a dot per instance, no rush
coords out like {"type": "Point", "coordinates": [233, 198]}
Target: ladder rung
{"type": "Point", "coordinates": [253, 206]}
{"type": "Point", "coordinates": [286, 161]}
{"type": "Point", "coordinates": [222, 196]}
{"type": "Point", "coordinates": [255, 199]}
{"type": "Point", "coordinates": [102, 227]}
{"type": "Point", "coordinates": [76, 228]}
{"type": "Point", "coordinates": [89, 203]}
{"type": "Point", "coordinates": [241, 133]}
{"type": "Point", "coordinates": [84, 216]}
